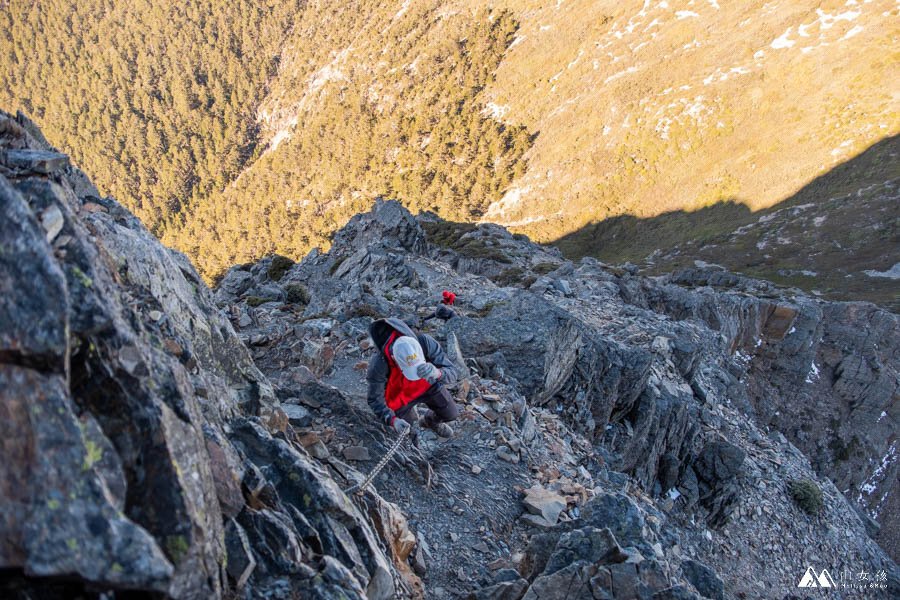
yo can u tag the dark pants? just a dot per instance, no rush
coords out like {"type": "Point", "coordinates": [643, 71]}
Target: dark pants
{"type": "Point", "coordinates": [439, 400]}
{"type": "Point", "coordinates": [443, 312]}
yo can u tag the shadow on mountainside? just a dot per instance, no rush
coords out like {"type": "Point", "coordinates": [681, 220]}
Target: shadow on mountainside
{"type": "Point", "coordinates": [831, 238]}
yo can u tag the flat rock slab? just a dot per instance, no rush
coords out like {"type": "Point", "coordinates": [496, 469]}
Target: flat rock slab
{"type": "Point", "coordinates": [318, 450]}
{"type": "Point", "coordinates": [297, 415]}
{"type": "Point", "coordinates": [543, 502]}
{"type": "Point", "coordinates": [356, 453]}
{"type": "Point", "coordinates": [36, 161]}
{"type": "Point", "coordinates": [537, 521]}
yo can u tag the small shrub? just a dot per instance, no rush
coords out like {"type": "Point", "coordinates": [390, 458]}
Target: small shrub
{"type": "Point", "coordinates": [364, 310]}
{"type": "Point", "coordinates": [486, 309]}
{"type": "Point", "coordinates": [449, 235]}
{"type": "Point", "coordinates": [256, 300]}
{"type": "Point", "coordinates": [279, 266]}
{"type": "Point", "coordinates": [511, 276]}
{"type": "Point", "coordinates": [297, 293]}
{"type": "Point", "coordinates": [842, 451]}
{"type": "Point", "coordinates": [446, 233]}
{"type": "Point", "coordinates": [807, 494]}
{"type": "Point", "coordinates": [544, 268]}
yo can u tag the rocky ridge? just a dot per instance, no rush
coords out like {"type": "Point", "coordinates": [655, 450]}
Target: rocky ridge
{"type": "Point", "coordinates": [685, 393]}
{"type": "Point", "coordinates": [621, 436]}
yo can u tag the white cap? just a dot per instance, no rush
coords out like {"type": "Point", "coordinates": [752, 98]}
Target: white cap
{"type": "Point", "coordinates": [408, 355]}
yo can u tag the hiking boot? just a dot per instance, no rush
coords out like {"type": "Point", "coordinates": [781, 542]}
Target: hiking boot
{"type": "Point", "coordinates": [440, 428]}
{"type": "Point", "coordinates": [443, 430]}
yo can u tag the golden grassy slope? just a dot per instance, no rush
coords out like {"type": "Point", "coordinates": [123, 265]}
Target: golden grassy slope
{"type": "Point", "coordinates": [648, 107]}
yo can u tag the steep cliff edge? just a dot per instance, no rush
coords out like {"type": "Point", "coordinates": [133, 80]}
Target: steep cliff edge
{"type": "Point", "coordinates": [142, 448]}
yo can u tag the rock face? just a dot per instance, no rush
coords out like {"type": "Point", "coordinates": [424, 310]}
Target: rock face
{"type": "Point", "coordinates": [143, 450]}
{"type": "Point", "coordinates": [588, 562]}
{"type": "Point", "coordinates": [603, 383]}
{"type": "Point", "coordinates": [823, 373]}
{"type": "Point", "coordinates": [716, 469]}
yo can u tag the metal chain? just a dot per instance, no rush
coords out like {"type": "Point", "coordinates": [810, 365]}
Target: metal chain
{"type": "Point", "coordinates": [359, 488]}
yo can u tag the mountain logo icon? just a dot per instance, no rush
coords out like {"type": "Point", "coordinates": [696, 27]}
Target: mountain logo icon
{"type": "Point", "coordinates": [811, 580]}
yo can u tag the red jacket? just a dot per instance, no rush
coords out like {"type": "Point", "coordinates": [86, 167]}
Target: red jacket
{"type": "Point", "coordinates": [400, 391]}
{"type": "Point", "coordinates": [386, 384]}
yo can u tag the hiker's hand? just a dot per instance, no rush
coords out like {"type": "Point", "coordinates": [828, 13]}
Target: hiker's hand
{"type": "Point", "coordinates": [428, 372]}
{"type": "Point", "coordinates": [400, 425]}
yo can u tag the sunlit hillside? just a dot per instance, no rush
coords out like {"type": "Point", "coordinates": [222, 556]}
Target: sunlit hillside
{"type": "Point", "coordinates": [370, 99]}
{"type": "Point", "coordinates": [240, 130]}
{"type": "Point", "coordinates": [648, 107]}
{"type": "Point", "coordinates": [156, 101]}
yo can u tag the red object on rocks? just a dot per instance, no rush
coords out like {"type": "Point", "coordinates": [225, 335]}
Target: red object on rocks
{"type": "Point", "coordinates": [448, 298]}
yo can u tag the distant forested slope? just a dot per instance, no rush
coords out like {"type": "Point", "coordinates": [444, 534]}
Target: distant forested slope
{"type": "Point", "coordinates": [155, 100]}
{"type": "Point", "coordinates": [162, 103]}
{"type": "Point", "coordinates": [387, 104]}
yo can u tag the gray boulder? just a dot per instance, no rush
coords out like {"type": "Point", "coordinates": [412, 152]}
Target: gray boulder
{"type": "Point", "coordinates": [704, 579]}
{"type": "Point", "coordinates": [268, 291]}
{"type": "Point", "coordinates": [716, 468]}
{"type": "Point", "coordinates": [234, 283]}
{"type": "Point", "coordinates": [617, 513]}
{"type": "Point", "coordinates": [588, 543]}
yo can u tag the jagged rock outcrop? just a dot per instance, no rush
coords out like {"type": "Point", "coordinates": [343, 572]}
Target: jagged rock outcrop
{"type": "Point", "coordinates": [611, 553]}
{"type": "Point", "coordinates": [582, 376]}
{"type": "Point", "coordinates": [823, 373]}
{"type": "Point", "coordinates": [143, 449]}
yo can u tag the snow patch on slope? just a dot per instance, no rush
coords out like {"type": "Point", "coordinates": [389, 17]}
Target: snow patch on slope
{"type": "Point", "coordinates": [870, 485]}
{"type": "Point", "coordinates": [783, 41]}
{"type": "Point", "coordinates": [403, 8]}
{"type": "Point", "coordinates": [509, 202]}
{"type": "Point", "coordinates": [892, 273]}
{"type": "Point", "coordinates": [495, 111]}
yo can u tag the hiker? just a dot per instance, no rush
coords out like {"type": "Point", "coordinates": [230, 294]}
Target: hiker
{"type": "Point", "coordinates": [443, 310]}
{"type": "Point", "coordinates": [408, 369]}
